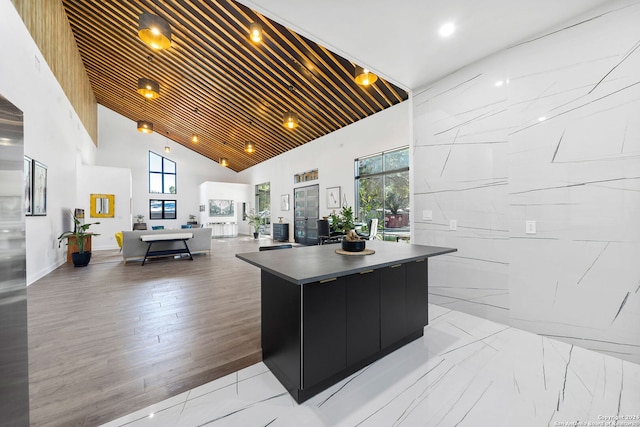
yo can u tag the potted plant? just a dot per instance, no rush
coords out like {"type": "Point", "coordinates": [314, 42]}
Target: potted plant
{"type": "Point", "coordinates": [255, 220]}
{"type": "Point", "coordinates": [343, 221]}
{"type": "Point", "coordinates": [140, 224]}
{"type": "Point", "coordinates": [192, 220]}
{"type": "Point", "coordinates": [80, 236]}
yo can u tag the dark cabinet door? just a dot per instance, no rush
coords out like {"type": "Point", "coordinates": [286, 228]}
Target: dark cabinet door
{"type": "Point", "coordinates": [363, 316]}
{"type": "Point", "coordinates": [417, 295]}
{"type": "Point", "coordinates": [281, 232]}
{"type": "Point", "coordinates": [280, 326]}
{"type": "Point", "coordinates": [393, 307]}
{"type": "Point", "coordinates": [324, 334]}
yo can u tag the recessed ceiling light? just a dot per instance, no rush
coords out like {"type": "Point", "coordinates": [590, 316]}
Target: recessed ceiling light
{"type": "Point", "coordinates": [499, 83]}
{"type": "Point", "coordinates": [447, 29]}
{"type": "Point", "coordinates": [542, 119]}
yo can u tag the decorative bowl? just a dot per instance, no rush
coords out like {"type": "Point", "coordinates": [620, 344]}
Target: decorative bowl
{"type": "Point", "coordinates": [353, 246]}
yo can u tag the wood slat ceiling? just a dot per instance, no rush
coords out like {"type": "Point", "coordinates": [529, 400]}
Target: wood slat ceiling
{"type": "Point", "coordinates": [215, 82]}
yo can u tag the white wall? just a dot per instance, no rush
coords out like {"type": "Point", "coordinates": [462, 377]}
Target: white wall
{"type": "Point", "coordinates": [105, 180]}
{"type": "Point", "coordinates": [239, 193]}
{"type": "Point", "coordinates": [333, 156]}
{"type": "Point", "coordinates": [121, 145]}
{"type": "Point", "coordinates": [484, 158]}
{"type": "Point", "coordinates": [53, 135]}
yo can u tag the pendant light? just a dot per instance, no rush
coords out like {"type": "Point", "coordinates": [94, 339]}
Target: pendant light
{"type": "Point", "coordinates": [154, 31]}
{"type": "Point", "coordinates": [224, 162]}
{"type": "Point", "coordinates": [290, 120]}
{"type": "Point", "coordinates": [148, 88]}
{"type": "Point", "coordinates": [255, 32]}
{"type": "Point", "coordinates": [249, 147]}
{"type": "Point", "coordinates": [364, 77]}
{"type": "Point", "coordinates": [145, 126]}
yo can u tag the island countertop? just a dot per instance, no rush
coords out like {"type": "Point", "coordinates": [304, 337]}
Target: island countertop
{"type": "Point", "coordinates": [310, 264]}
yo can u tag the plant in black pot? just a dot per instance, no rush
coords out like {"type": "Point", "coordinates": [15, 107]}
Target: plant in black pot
{"type": "Point", "coordinates": [79, 237]}
{"type": "Point", "coordinates": [343, 221]}
{"type": "Point", "coordinates": [255, 220]}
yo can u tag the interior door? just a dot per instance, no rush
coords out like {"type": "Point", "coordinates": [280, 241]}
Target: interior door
{"type": "Point", "coordinates": [307, 202]}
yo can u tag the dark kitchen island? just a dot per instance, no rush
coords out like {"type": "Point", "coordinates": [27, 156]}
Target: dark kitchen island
{"type": "Point", "coordinates": [326, 315]}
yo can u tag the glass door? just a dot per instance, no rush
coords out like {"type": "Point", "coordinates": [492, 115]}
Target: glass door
{"type": "Point", "coordinates": [263, 205]}
{"type": "Point", "coordinates": [307, 202]}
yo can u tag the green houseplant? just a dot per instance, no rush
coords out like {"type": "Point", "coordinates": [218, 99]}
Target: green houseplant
{"type": "Point", "coordinates": [342, 221]}
{"type": "Point", "coordinates": [80, 236]}
{"type": "Point", "coordinates": [255, 220]}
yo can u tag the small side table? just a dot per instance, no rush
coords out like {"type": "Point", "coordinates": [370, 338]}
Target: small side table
{"type": "Point", "coordinates": [281, 232]}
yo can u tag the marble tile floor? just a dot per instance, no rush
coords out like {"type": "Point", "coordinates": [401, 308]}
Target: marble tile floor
{"type": "Point", "coordinates": [465, 371]}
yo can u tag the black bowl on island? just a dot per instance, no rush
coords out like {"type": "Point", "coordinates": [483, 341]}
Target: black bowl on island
{"type": "Point", "coordinates": [353, 246]}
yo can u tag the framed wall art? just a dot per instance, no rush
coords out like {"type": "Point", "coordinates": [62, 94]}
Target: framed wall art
{"type": "Point", "coordinates": [284, 202]}
{"type": "Point", "coordinates": [39, 189]}
{"type": "Point", "coordinates": [333, 197]}
{"type": "Point", "coordinates": [28, 175]}
{"type": "Point", "coordinates": [221, 207]}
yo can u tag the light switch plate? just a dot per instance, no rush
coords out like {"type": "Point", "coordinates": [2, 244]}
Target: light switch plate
{"type": "Point", "coordinates": [427, 215]}
{"type": "Point", "coordinates": [453, 224]}
{"type": "Point", "coordinates": [530, 227]}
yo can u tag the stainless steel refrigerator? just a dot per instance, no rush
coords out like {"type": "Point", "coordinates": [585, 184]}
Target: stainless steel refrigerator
{"type": "Point", "coordinates": [14, 184]}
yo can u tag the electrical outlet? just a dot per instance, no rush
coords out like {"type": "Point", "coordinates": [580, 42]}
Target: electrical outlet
{"type": "Point", "coordinates": [530, 227]}
{"type": "Point", "coordinates": [453, 224]}
{"type": "Point", "coordinates": [427, 215]}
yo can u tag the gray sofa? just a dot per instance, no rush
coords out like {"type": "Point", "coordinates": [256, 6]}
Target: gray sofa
{"type": "Point", "coordinates": [134, 248]}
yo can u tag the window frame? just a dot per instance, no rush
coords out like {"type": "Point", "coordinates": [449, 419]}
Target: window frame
{"type": "Point", "coordinates": [383, 175]}
{"type": "Point", "coordinates": [162, 173]}
{"type": "Point", "coordinates": [164, 210]}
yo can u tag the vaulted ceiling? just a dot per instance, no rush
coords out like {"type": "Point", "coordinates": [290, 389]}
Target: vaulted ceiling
{"type": "Point", "coordinates": [215, 82]}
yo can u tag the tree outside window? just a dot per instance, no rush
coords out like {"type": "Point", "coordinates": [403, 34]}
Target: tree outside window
{"type": "Point", "coordinates": [382, 184]}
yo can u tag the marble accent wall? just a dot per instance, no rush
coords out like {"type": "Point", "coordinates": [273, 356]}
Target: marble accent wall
{"type": "Point", "coordinates": [546, 131]}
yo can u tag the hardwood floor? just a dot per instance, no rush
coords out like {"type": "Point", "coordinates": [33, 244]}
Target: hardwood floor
{"type": "Point", "coordinates": [112, 338]}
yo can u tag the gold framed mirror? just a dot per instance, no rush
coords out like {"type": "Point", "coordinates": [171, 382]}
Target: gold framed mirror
{"type": "Point", "coordinates": [102, 206]}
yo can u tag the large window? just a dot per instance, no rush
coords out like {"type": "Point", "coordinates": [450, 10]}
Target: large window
{"type": "Point", "coordinates": [162, 174]}
{"type": "Point", "coordinates": [382, 185]}
{"type": "Point", "coordinates": [162, 209]}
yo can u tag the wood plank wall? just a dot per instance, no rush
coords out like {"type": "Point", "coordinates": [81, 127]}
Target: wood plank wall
{"type": "Point", "coordinates": [48, 24]}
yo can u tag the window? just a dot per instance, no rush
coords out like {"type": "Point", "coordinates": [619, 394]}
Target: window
{"type": "Point", "coordinates": [305, 176]}
{"type": "Point", "coordinates": [382, 185]}
{"type": "Point", "coordinates": [162, 209]}
{"type": "Point", "coordinates": [162, 174]}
